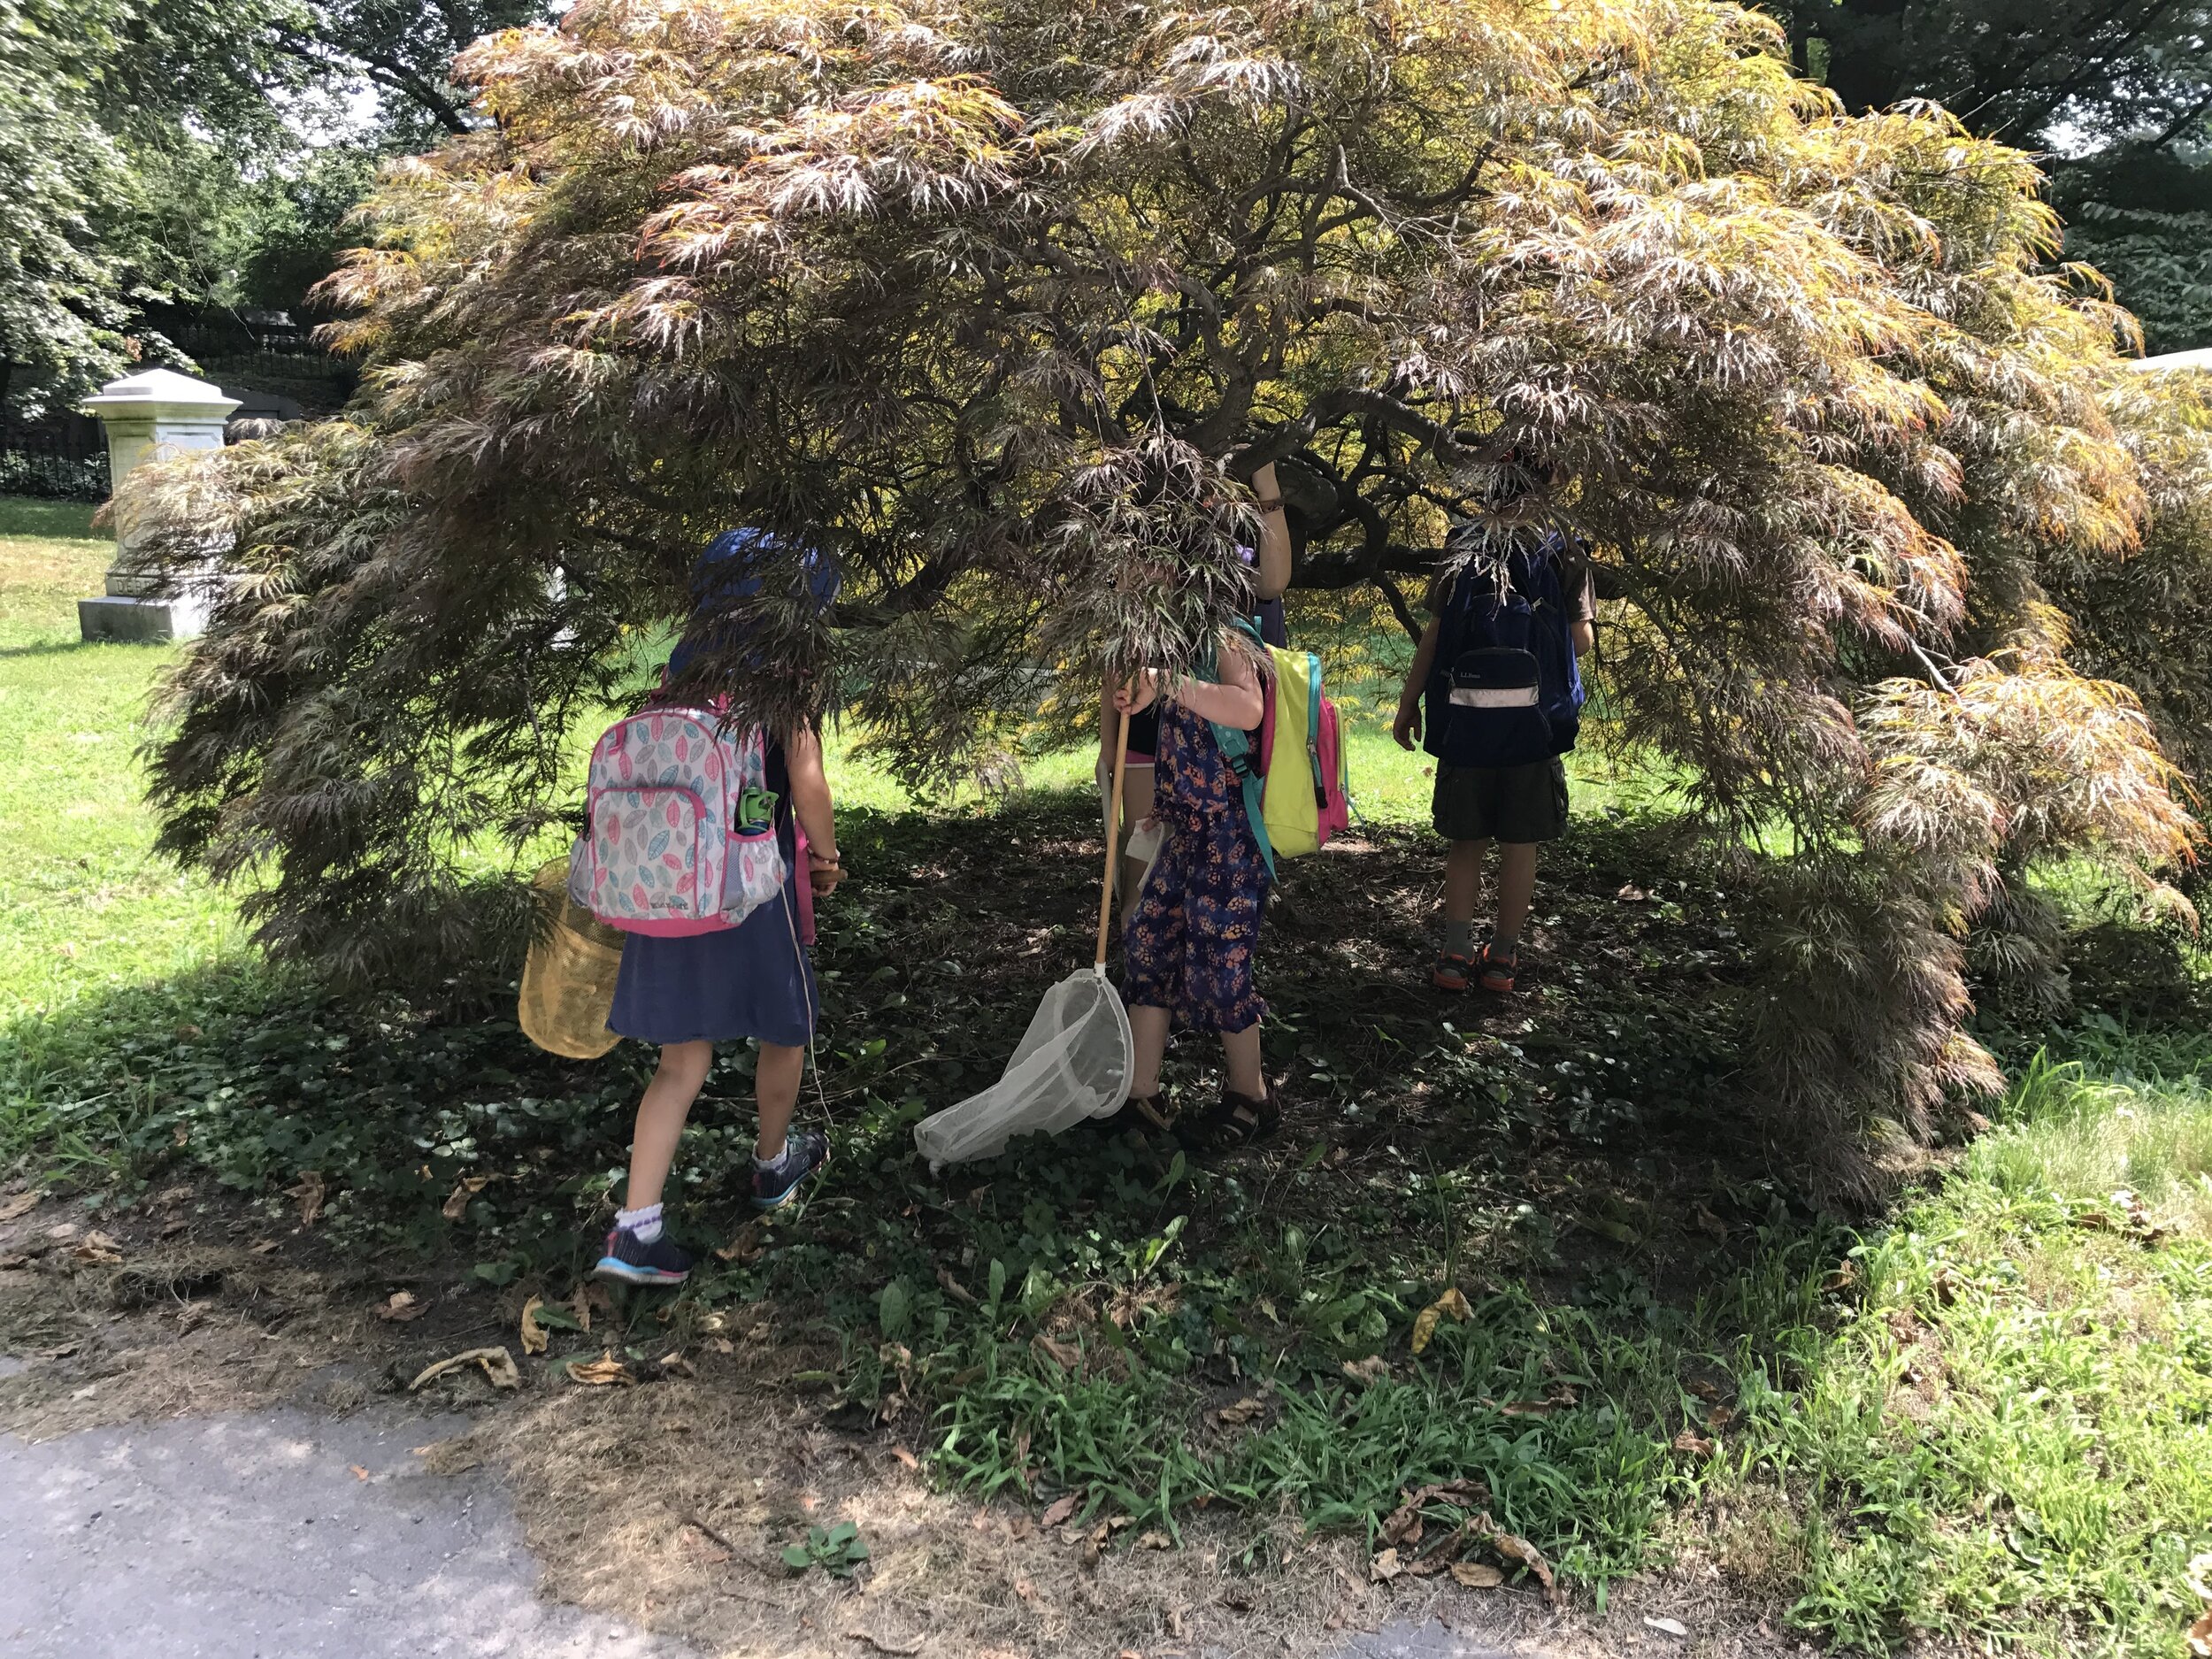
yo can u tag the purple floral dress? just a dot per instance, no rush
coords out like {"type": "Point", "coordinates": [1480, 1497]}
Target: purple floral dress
{"type": "Point", "coordinates": [1189, 944]}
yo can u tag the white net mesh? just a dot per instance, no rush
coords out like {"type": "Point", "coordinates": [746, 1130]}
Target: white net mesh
{"type": "Point", "coordinates": [1074, 1061]}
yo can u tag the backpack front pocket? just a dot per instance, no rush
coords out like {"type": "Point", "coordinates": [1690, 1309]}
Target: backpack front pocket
{"type": "Point", "coordinates": [646, 847]}
{"type": "Point", "coordinates": [1495, 714]}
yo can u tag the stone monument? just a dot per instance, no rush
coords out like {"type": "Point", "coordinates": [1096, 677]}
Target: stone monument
{"type": "Point", "coordinates": [152, 415]}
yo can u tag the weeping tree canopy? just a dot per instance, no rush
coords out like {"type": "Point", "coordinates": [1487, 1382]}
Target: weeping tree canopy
{"type": "Point", "coordinates": [1001, 304]}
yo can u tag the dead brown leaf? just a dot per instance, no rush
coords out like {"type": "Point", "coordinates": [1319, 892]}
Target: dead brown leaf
{"type": "Point", "coordinates": [745, 1248]}
{"type": "Point", "coordinates": [1691, 1441]}
{"type": "Point", "coordinates": [457, 1201]}
{"type": "Point", "coordinates": [1452, 1303]}
{"type": "Point", "coordinates": [358, 1471]}
{"type": "Point", "coordinates": [1154, 1540]}
{"type": "Point", "coordinates": [1025, 1589]}
{"type": "Point", "coordinates": [1066, 1356]}
{"type": "Point", "coordinates": [1404, 1524]}
{"type": "Point", "coordinates": [97, 1249]}
{"type": "Point", "coordinates": [400, 1306]}
{"type": "Point", "coordinates": [601, 1372]}
{"type": "Point", "coordinates": [1476, 1575]}
{"type": "Point", "coordinates": [267, 1247]}
{"type": "Point", "coordinates": [1243, 1411]}
{"type": "Point", "coordinates": [1720, 1418]}
{"type": "Point", "coordinates": [498, 1364]}
{"type": "Point", "coordinates": [906, 1458]}
{"type": "Point", "coordinates": [883, 1644]}
{"type": "Point", "coordinates": [533, 1337]}
{"type": "Point", "coordinates": [311, 1191]}
{"type": "Point", "coordinates": [1385, 1567]}
{"type": "Point", "coordinates": [16, 1208]}
{"type": "Point", "coordinates": [1060, 1509]}
{"type": "Point", "coordinates": [1368, 1372]}
{"type": "Point", "coordinates": [954, 1288]}
{"type": "Point", "coordinates": [1521, 1550]}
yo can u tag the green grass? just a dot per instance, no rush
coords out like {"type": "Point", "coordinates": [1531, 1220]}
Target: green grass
{"type": "Point", "coordinates": [1984, 1418]}
{"type": "Point", "coordinates": [2010, 1436]}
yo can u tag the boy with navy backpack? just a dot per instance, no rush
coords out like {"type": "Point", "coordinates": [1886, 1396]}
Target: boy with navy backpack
{"type": "Point", "coordinates": [1496, 683]}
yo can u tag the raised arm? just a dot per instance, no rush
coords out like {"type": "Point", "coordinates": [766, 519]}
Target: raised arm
{"type": "Point", "coordinates": [1273, 576]}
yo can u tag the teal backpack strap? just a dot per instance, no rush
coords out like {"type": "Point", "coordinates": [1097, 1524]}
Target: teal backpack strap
{"type": "Point", "coordinates": [1313, 729]}
{"type": "Point", "coordinates": [1236, 749]}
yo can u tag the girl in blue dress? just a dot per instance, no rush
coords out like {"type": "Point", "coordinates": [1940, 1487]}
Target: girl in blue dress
{"type": "Point", "coordinates": [751, 982]}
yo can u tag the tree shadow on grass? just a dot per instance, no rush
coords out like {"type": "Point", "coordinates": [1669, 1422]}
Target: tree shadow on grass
{"type": "Point", "coordinates": [1134, 1320]}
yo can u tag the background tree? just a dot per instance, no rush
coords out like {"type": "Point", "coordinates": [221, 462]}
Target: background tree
{"type": "Point", "coordinates": [2119, 91]}
{"type": "Point", "coordinates": [999, 304]}
{"type": "Point", "coordinates": [167, 159]}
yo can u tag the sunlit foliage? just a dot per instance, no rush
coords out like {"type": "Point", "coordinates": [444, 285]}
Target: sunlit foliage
{"type": "Point", "coordinates": [1002, 303]}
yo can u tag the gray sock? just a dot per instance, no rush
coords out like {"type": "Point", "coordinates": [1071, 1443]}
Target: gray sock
{"type": "Point", "coordinates": [1459, 938]}
{"type": "Point", "coordinates": [1505, 944]}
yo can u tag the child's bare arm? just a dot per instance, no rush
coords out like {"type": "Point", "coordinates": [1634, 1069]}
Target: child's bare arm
{"type": "Point", "coordinates": [1274, 549]}
{"type": "Point", "coordinates": [1406, 727]}
{"type": "Point", "coordinates": [1234, 700]}
{"type": "Point", "coordinates": [810, 803]}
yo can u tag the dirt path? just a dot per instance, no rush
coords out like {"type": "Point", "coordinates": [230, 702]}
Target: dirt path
{"type": "Point", "coordinates": [289, 1533]}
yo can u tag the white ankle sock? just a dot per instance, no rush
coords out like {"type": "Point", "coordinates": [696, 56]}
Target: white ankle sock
{"type": "Point", "coordinates": [643, 1224]}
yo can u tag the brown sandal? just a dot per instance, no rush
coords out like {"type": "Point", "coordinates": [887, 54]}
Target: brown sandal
{"type": "Point", "coordinates": [1147, 1113]}
{"type": "Point", "coordinates": [1239, 1120]}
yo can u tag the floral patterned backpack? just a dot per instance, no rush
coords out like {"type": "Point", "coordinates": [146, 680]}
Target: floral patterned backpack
{"type": "Point", "coordinates": [682, 837]}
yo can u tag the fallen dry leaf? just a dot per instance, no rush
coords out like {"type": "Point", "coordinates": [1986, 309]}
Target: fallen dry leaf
{"type": "Point", "coordinates": [1060, 1509]}
{"type": "Point", "coordinates": [1243, 1411]}
{"type": "Point", "coordinates": [600, 1372]}
{"type": "Point", "coordinates": [14, 1209]}
{"type": "Point", "coordinates": [1066, 1356]}
{"type": "Point", "coordinates": [675, 1364]}
{"type": "Point", "coordinates": [722, 1345]}
{"type": "Point", "coordinates": [1451, 1303]}
{"type": "Point", "coordinates": [1404, 1525]}
{"type": "Point", "coordinates": [1025, 1589]}
{"type": "Point", "coordinates": [883, 1644]}
{"type": "Point", "coordinates": [1691, 1441]}
{"type": "Point", "coordinates": [1154, 1540]}
{"type": "Point", "coordinates": [533, 1337]}
{"type": "Point", "coordinates": [1521, 1550]}
{"type": "Point", "coordinates": [498, 1364]}
{"type": "Point", "coordinates": [457, 1201]}
{"type": "Point", "coordinates": [745, 1248]}
{"type": "Point", "coordinates": [2200, 1637]}
{"type": "Point", "coordinates": [97, 1249]}
{"type": "Point", "coordinates": [358, 1472]}
{"type": "Point", "coordinates": [400, 1306]}
{"type": "Point", "coordinates": [311, 1191]}
{"type": "Point", "coordinates": [1385, 1567]}
{"type": "Point", "coordinates": [1720, 1416]}
{"type": "Point", "coordinates": [588, 1295]}
{"type": "Point", "coordinates": [954, 1288]}
{"type": "Point", "coordinates": [1668, 1626]}
{"type": "Point", "coordinates": [265, 1247]}
{"type": "Point", "coordinates": [1476, 1575]}
{"type": "Point", "coordinates": [906, 1458]}
{"type": "Point", "coordinates": [1368, 1372]}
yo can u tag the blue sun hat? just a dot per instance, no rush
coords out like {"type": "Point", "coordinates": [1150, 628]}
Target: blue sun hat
{"type": "Point", "coordinates": [730, 572]}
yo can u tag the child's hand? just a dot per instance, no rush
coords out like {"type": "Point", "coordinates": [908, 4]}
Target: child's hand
{"type": "Point", "coordinates": [823, 873]}
{"type": "Point", "coordinates": [1139, 693]}
{"type": "Point", "coordinates": [1406, 727]}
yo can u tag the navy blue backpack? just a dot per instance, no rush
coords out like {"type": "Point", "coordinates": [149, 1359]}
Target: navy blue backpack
{"type": "Point", "coordinates": [1504, 689]}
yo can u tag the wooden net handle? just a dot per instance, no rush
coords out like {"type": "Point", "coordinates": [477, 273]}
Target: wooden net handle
{"type": "Point", "coordinates": [1113, 838]}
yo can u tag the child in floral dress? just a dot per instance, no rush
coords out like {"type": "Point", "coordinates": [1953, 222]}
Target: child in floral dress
{"type": "Point", "coordinates": [1191, 937]}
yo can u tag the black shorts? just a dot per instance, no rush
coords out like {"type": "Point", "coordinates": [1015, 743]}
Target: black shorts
{"type": "Point", "coordinates": [1504, 803]}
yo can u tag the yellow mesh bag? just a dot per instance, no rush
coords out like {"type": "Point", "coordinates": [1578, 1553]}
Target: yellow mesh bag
{"type": "Point", "coordinates": [568, 980]}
